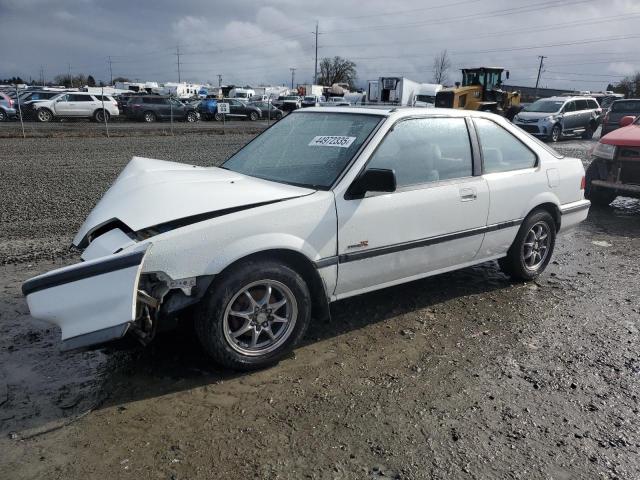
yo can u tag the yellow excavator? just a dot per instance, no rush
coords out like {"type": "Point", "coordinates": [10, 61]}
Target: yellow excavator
{"type": "Point", "coordinates": [481, 89]}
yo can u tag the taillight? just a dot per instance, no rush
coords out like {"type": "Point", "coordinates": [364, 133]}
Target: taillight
{"type": "Point", "coordinates": [10, 103]}
{"type": "Point", "coordinates": [583, 183]}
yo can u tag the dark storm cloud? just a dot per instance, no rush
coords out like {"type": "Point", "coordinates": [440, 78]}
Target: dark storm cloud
{"type": "Point", "coordinates": [589, 44]}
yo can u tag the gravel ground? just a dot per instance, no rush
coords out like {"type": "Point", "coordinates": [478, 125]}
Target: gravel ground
{"type": "Point", "coordinates": [465, 375]}
{"type": "Point", "coordinates": [51, 184]}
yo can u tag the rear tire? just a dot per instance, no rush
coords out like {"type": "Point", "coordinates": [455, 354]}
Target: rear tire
{"type": "Point", "coordinates": [3, 115]}
{"type": "Point", "coordinates": [588, 133]}
{"type": "Point", "coordinates": [99, 116]}
{"type": "Point", "coordinates": [253, 116]}
{"type": "Point", "coordinates": [600, 197]}
{"type": "Point", "coordinates": [149, 117]}
{"type": "Point", "coordinates": [227, 319]}
{"type": "Point", "coordinates": [532, 248]}
{"type": "Point", "coordinates": [218, 117]}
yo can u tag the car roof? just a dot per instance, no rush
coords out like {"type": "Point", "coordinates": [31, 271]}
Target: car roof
{"type": "Point", "coordinates": [567, 98]}
{"type": "Point", "coordinates": [400, 112]}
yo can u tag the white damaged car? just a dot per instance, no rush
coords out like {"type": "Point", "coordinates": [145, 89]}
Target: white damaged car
{"type": "Point", "coordinates": [326, 204]}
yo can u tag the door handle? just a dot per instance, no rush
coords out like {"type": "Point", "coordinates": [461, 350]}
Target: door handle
{"type": "Point", "coordinates": [468, 194]}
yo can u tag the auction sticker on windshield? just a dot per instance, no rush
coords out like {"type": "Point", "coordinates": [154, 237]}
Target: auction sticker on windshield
{"type": "Point", "coordinates": [332, 141]}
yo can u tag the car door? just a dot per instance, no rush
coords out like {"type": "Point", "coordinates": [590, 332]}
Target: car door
{"type": "Point", "coordinates": [83, 105]}
{"type": "Point", "coordinates": [178, 108]}
{"type": "Point", "coordinates": [236, 108]}
{"type": "Point", "coordinates": [64, 106]}
{"type": "Point", "coordinates": [511, 171]}
{"type": "Point", "coordinates": [433, 220]}
{"type": "Point", "coordinates": [583, 113]}
{"type": "Point", "coordinates": [571, 118]}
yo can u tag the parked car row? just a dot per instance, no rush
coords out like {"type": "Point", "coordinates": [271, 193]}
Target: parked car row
{"type": "Point", "coordinates": [557, 117]}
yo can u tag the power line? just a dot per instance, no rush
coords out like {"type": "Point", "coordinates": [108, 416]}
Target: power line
{"type": "Point", "coordinates": [459, 18]}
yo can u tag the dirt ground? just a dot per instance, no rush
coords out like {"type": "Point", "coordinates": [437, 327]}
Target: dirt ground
{"type": "Point", "coordinates": [464, 375]}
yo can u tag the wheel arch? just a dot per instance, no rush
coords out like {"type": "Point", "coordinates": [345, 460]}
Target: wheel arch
{"type": "Point", "coordinates": [552, 208]}
{"type": "Point", "coordinates": [301, 264]}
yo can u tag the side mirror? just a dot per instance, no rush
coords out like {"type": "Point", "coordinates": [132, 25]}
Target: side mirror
{"type": "Point", "coordinates": [373, 180]}
{"type": "Point", "coordinates": [627, 120]}
{"type": "Point", "coordinates": [507, 73]}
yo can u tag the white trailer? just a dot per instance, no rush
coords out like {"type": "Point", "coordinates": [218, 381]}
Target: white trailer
{"type": "Point", "coordinates": [313, 90]}
{"type": "Point", "coordinates": [373, 91]}
{"type": "Point", "coordinates": [393, 90]}
{"type": "Point", "coordinates": [245, 93]}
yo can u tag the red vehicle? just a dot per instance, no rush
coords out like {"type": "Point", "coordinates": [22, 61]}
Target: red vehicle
{"type": "Point", "coordinates": [615, 169]}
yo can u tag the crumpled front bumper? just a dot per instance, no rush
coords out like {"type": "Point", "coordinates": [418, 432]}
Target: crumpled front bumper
{"type": "Point", "coordinates": [92, 302]}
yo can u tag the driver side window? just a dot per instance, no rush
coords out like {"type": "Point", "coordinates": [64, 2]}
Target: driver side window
{"type": "Point", "coordinates": [425, 150]}
{"type": "Point", "coordinates": [569, 107]}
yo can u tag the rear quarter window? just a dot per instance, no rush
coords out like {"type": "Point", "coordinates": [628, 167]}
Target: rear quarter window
{"type": "Point", "coordinates": [501, 150]}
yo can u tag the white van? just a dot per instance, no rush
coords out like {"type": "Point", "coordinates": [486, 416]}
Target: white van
{"type": "Point", "coordinates": [426, 95]}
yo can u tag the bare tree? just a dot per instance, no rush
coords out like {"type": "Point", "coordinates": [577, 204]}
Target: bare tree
{"type": "Point", "coordinates": [337, 70]}
{"type": "Point", "coordinates": [441, 66]}
{"type": "Point", "coordinates": [629, 86]}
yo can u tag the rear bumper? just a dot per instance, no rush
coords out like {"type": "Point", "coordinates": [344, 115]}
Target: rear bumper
{"type": "Point", "coordinates": [92, 302]}
{"type": "Point", "coordinates": [573, 213]}
{"type": "Point", "coordinates": [622, 188]}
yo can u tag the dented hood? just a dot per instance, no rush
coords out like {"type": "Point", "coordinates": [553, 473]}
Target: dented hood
{"type": "Point", "coordinates": [151, 192]}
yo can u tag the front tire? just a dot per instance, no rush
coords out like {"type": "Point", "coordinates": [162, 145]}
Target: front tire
{"type": "Point", "coordinates": [532, 248]}
{"type": "Point", "coordinates": [253, 116]}
{"type": "Point", "coordinates": [218, 117]}
{"type": "Point", "coordinates": [3, 115]}
{"type": "Point", "coordinates": [254, 315]}
{"type": "Point", "coordinates": [598, 196]}
{"type": "Point", "coordinates": [556, 133]}
{"type": "Point", "coordinates": [192, 117]}
{"type": "Point", "coordinates": [44, 115]}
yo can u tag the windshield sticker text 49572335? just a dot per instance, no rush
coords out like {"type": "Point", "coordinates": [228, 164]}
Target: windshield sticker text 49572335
{"type": "Point", "coordinates": [331, 141]}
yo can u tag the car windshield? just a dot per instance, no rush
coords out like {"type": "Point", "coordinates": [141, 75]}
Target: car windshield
{"type": "Point", "coordinates": [307, 149]}
{"type": "Point", "coordinates": [544, 106]}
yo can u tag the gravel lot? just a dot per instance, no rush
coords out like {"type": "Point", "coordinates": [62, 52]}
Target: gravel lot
{"type": "Point", "coordinates": [465, 375]}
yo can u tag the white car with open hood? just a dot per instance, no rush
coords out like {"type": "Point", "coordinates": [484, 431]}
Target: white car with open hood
{"type": "Point", "coordinates": [326, 204]}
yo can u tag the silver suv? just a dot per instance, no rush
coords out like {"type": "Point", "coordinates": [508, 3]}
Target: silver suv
{"type": "Point", "coordinates": [556, 117]}
{"type": "Point", "coordinates": [76, 104]}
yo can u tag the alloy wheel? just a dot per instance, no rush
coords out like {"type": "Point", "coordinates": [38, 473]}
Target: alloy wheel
{"type": "Point", "coordinates": [536, 246]}
{"type": "Point", "coordinates": [260, 317]}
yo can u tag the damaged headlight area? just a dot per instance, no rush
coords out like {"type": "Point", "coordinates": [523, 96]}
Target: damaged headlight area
{"type": "Point", "coordinates": [160, 299]}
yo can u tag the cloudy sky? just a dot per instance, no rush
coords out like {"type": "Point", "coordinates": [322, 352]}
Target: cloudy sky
{"type": "Point", "coordinates": [589, 43]}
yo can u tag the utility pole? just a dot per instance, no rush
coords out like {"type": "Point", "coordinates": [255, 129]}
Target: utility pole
{"type": "Point", "coordinates": [178, 55]}
{"type": "Point", "coordinates": [70, 78]}
{"type": "Point", "coordinates": [41, 75]}
{"type": "Point", "coordinates": [110, 71]}
{"type": "Point", "coordinates": [315, 70]}
{"type": "Point", "coordinates": [541, 57]}
{"type": "Point", "coordinates": [293, 75]}
{"type": "Point", "coordinates": [219, 80]}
